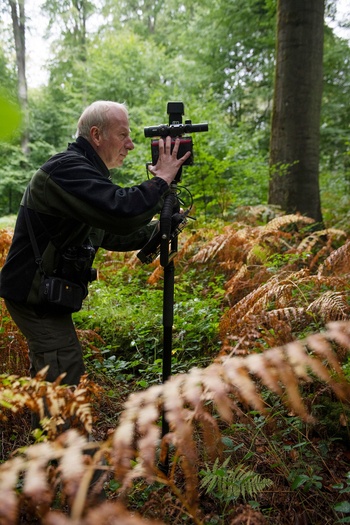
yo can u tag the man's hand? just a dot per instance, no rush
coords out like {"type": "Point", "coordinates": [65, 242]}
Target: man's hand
{"type": "Point", "coordinates": [168, 164]}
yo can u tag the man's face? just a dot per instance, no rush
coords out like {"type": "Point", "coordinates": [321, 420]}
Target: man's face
{"type": "Point", "coordinates": [115, 142]}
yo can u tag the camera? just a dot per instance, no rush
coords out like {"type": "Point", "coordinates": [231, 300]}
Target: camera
{"type": "Point", "coordinates": [175, 129]}
{"type": "Point", "coordinates": [172, 221]}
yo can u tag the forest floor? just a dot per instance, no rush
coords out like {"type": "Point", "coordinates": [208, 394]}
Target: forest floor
{"type": "Point", "coordinates": [306, 464]}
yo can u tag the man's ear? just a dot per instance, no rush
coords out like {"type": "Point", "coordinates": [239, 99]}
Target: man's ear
{"type": "Point", "coordinates": [95, 135]}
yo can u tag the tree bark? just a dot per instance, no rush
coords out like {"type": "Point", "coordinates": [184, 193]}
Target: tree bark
{"type": "Point", "coordinates": [295, 130]}
{"type": "Point", "coordinates": [18, 25]}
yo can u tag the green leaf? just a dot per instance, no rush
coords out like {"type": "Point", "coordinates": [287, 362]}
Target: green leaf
{"type": "Point", "coordinates": [10, 117]}
{"type": "Point", "coordinates": [299, 481]}
{"type": "Point", "coordinates": [228, 442]}
{"type": "Point", "coordinates": [342, 506]}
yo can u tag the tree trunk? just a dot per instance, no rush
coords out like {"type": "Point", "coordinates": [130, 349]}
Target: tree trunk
{"type": "Point", "coordinates": [18, 25]}
{"type": "Point", "coordinates": [295, 131]}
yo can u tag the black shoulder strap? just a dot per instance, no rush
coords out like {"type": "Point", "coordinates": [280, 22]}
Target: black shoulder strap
{"type": "Point", "coordinates": [38, 257]}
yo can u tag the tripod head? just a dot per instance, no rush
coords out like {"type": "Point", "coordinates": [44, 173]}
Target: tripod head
{"type": "Point", "coordinates": [174, 129]}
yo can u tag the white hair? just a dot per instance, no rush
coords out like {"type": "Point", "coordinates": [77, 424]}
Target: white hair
{"type": "Point", "coordinates": [97, 114]}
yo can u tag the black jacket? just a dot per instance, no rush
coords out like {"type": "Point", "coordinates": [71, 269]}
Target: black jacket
{"type": "Point", "coordinates": [72, 201]}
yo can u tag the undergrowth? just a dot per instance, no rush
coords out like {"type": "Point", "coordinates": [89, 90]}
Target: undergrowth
{"type": "Point", "coordinates": [263, 434]}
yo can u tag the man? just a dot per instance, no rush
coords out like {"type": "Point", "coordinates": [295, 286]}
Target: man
{"type": "Point", "coordinates": [72, 204]}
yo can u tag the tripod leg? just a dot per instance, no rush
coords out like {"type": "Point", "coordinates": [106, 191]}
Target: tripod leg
{"type": "Point", "coordinates": [168, 319]}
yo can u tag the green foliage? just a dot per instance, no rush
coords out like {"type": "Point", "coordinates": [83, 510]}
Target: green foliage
{"type": "Point", "coordinates": [127, 314]}
{"type": "Point", "coordinates": [15, 174]}
{"type": "Point", "coordinates": [226, 484]}
{"type": "Point", "coordinates": [204, 53]}
{"type": "Point", "coordinates": [335, 114]}
{"type": "Point", "coordinates": [344, 505]}
{"type": "Point", "coordinates": [243, 62]}
{"type": "Point", "coordinates": [10, 116]}
{"type": "Point", "coordinates": [53, 121]}
{"type": "Point", "coordinates": [305, 480]}
{"type": "Point", "coordinates": [8, 221]}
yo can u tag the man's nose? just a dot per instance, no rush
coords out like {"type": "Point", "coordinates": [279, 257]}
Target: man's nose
{"type": "Point", "coordinates": [129, 145]}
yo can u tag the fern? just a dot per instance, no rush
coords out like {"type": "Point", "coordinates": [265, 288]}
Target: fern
{"type": "Point", "coordinates": [331, 306]}
{"type": "Point", "coordinates": [5, 242]}
{"type": "Point", "coordinates": [337, 262]}
{"type": "Point", "coordinates": [41, 396]}
{"type": "Point", "coordinates": [226, 484]}
{"type": "Point", "coordinates": [200, 398]}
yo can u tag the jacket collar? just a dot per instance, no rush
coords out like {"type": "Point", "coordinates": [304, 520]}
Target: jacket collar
{"type": "Point", "coordinates": [84, 147]}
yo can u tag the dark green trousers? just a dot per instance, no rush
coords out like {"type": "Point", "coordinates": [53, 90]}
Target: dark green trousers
{"type": "Point", "coordinates": [52, 340]}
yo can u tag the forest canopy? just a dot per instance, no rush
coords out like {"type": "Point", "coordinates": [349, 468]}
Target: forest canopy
{"type": "Point", "coordinates": [218, 58]}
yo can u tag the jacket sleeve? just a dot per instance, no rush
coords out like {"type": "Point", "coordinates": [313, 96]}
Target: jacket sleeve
{"type": "Point", "coordinates": [124, 243]}
{"type": "Point", "coordinates": [96, 201]}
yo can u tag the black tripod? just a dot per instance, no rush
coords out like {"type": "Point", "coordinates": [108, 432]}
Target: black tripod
{"type": "Point", "coordinates": [165, 242]}
{"type": "Point", "coordinates": [168, 250]}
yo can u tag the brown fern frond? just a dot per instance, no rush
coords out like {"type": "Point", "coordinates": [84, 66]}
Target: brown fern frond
{"type": "Point", "coordinates": [123, 450]}
{"type": "Point", "coordinates": [321, 347]}
{"type": "Point", "coordinates": [215, 389]}
{"type": "Point", "coordinates": [257, 214]}
{"type": "Point", "coordinates": [195, 383]}
{"type": "Point", "coordinates": [278, 290]}
{"type": "Point", "coordinates": [188, 245]}
{"type": "Point", "coordinates": [180, 421]}
{"type": "Point", "coordinates": [242, 383]}
{"type": "Point", "coordinates": [112, 513]}
{"type": "Point", "coordinates": [33, 464]}
{"type": "Point", "coordinates": [280, 369]}
{"type": "Point", "coordinates": [240, 309]}
{"type": "Point", "coordinates": [211, 249]}
{"type": "Point", "coordinates": [339, 332]}
{"type": "Point", "coordinates": [279, 293]}
{"type": "Point", "coordinates": [337, 262]}
{"type": "Point", "coordinates": [156, 275]}
{"type": "Point", "coordinates": [10, 472]}
{"type": "Point", "coordinates": [321, 254]}
{"type": "Point", "coordinates": [309, 242]}
{"type": "Point", "coordinates": [285, 220]}
{"type": "Point", "coordinates": [236, 279]}
{"type": "Point", "coordinates": [331, 306]}
{"type": "Point", "coordinates": [36, 487]}
{"type": "Point", "coordinates": [54, 403]}
{"type": "Point", "coordinates": [148, 428]}
{"type": "Point", "coordinates": [290, 314]}
{"type": "Point", "coordinates": [248, 280]}
{"type": "Point", "coordinates": [211, 435]}
{"type": "Point", "coordinates": [6, 235]}
{"type": "Point", "coordinates": [271, 238]}
{"type": "Point", "coordinates": [242, 320]}
{"type": "Point", "coordinates": [285, 371]}
{"type": "Point", "coordinates": [230, 246]}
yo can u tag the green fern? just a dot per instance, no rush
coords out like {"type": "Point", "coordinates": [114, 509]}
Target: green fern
{"type": "Point", "coordinates": [226, 484]}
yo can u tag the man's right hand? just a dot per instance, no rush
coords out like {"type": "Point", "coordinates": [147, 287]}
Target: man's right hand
{"type": "Point", "coordinates": [168, 164]}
